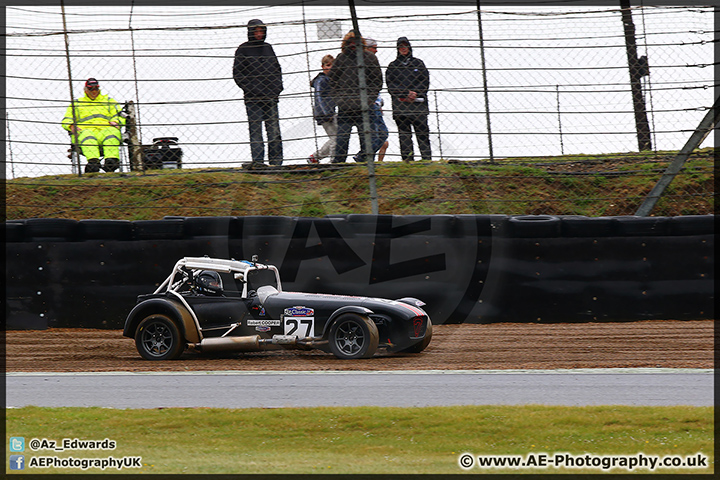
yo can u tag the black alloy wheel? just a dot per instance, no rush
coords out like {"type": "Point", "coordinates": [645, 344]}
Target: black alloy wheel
{"type": "Point", "coordinates": [353, 336]}
{"type": "Point", "coordinates": [158, 338]}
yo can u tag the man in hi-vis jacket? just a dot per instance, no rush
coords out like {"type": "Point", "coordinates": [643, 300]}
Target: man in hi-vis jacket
{"type": "Point", "coordinates": [96, 119]}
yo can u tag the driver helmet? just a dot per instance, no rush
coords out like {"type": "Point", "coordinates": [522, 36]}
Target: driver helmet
{"type": "Point", "coordinates": [209, 282]}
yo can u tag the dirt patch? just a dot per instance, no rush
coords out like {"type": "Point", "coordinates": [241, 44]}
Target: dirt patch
{"type": "Point", "coordinates": [657, 343]}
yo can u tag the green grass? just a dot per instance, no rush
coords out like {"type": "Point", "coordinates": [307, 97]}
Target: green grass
{"type": "Point", "coordinates": [366, 439]}
{"type": "Point", "coordinates": [569, 185]}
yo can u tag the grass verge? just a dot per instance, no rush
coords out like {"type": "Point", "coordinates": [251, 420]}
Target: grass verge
{"type": "Point", "coordinates": [367, 439]}
{"type": "Point", "coordinates": [570, 185]}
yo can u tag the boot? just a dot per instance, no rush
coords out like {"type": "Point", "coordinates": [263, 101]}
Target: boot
{"type": "Point", "coordinates": [93, 165]}
{"type": "Point", "coordinates": [111, 164]}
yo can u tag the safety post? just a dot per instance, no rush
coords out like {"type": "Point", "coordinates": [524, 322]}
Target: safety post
{"type": "Point", "coordinates": [75, 155]}
{"type": "Point", "coordinates": [703, 130]}
{"type": "Point", "coordinates": [367, 133]}
{"type": "Point", "coordinates": [134, 147]}
{"type": "Point", "coordinates": [638, 69]}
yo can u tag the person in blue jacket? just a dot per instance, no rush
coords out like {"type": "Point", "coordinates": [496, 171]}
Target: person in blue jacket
{"type": "Point", "coordinates": [408, 81]}
{"type": "Point", "coordinates": [257, 72]}
{"type": "Point", "coordinates": [324, 110]}
{"type": "Point", "coordinates": [380, 130]}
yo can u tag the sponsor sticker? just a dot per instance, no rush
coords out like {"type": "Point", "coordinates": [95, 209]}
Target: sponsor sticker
{"type": "Point", "coordinates": [299, 312]}
{"type": "Point", "coordinates": [263, 323]}
{"type": "Point", "coordinates": [262, 329]}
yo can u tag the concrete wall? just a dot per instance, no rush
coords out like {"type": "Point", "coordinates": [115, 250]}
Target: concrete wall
{"type": "Point", "coordinates": [467, 268]}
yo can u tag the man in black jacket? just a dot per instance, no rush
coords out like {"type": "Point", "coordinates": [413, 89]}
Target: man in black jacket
{"type": "Point", "coordinates": [345, 90]}
{"type": "Point", "coordinates": [408, 82]}
{"type": "Point", "coordinates": [257, 71]}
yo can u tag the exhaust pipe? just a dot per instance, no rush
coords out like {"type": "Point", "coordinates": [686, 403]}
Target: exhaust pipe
{"type": "Point", "coordinates": [254, 343]}
{"type": "Point", "coordinates": [222, 344]}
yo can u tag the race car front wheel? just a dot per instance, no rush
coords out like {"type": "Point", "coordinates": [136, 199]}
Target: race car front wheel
{"type": "Point", "coordinates": [158, 338]}
{"type": "Point", "coordinates": [353, 336]}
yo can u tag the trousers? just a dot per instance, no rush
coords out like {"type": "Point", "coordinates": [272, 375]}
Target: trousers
{"type": "Point", "coordinates": [380, 130]}
{"type": "Point", "coordinates": [328, 148]}
{"type": "Point", "coordinates": [91, 139]}
{"type": "Point", "coordinates": [353, 118]}
{"type": "Point", "coordinates": [379, 134]}
{"type": "Point", "coordinates": [422, 132]}
{"type": "Point", "coordinates": [259, 111]}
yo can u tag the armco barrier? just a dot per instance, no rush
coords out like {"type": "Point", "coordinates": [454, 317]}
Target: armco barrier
{"type": "Point", "coordinates": [467, 268]}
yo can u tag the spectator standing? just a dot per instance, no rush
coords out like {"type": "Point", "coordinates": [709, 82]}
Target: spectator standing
{"type": "Point", "coordinates": [380, 130]}
{"type": "Point", "coordinates": [345, 87]}
{"type": "Point", "coordinates": [408, 82]}
{"type": "Point", "coordinates": [96, 120]}
{"type": "Point", "coordinates": [257, 72]}
{"type": "Point", "coordinates": [324, 110]}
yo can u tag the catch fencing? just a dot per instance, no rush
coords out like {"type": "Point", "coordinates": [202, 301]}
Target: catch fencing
{"type": "Point", "coordinates": [504, 81]}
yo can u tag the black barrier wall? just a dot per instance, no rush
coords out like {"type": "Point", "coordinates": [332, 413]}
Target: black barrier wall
{"type": "Point", "coordinates": [467, 268]}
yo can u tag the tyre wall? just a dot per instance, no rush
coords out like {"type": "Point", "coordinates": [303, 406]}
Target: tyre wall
{"type": "Point", "coordinates": [467, 268]}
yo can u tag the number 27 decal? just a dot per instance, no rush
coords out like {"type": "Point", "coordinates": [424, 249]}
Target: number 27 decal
{"type": "Point", "coordinates": [300, 326]}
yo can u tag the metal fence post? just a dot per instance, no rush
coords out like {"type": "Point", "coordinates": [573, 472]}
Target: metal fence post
{"type": "Point", "coordinates": [638, 69]}
{"type": "Point", "coordinates": [75, 154]}
{"type": "Point", "coordinates": [366, 136]}
{"type": "Point", "coordinates": [439, 130]}
{"type": "Point", "coordinates": [134, 147]}
{"type": "Point", "coordinates": [562, 145]}
{"type": "Point", "coordinates": [703, 130]}
{"type": "Point", "coordinates": [485, 84]}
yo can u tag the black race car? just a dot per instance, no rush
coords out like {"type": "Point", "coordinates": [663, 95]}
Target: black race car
{"type": "Point", "coordinates": [211, 305]}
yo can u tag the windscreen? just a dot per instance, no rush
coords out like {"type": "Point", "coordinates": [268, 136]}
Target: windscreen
{"type": "Point", "coordinates": [258, 278]}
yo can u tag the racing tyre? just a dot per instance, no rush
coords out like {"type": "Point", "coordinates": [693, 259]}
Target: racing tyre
{"type": "Point", "coordinates": [158, 338]}
{"type": "Point", "coordinates": [353, 336]}
{"type": "Point", "coordinates": [422, 344]}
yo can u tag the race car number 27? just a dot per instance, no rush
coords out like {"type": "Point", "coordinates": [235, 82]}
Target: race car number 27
{"type": "Point", "coordinates": [300, 326]}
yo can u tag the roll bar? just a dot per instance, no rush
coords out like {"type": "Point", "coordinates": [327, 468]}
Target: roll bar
{"type": "Point", "coordinates": [239, 268]}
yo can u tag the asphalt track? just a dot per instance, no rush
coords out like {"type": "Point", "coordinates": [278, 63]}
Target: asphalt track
{"type": "Point", "coordinates": [577, 387]}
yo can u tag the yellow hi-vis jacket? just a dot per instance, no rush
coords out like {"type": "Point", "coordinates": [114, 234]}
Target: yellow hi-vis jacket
{"type": "Point", "coordinates": [96, 113]}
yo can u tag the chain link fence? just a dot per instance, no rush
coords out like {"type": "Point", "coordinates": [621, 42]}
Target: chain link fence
{"type": "Point", "coordinates": [521, 81]}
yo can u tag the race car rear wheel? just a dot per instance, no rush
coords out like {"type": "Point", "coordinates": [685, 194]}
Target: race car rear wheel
{"type": "Point", "coordinates": [158, 338]}
{"type": "Point", "coordinates": [353, 336]}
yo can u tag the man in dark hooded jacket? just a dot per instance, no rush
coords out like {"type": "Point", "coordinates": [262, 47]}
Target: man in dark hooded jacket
{"type": "Point", "coordinates": [408, 82]}
{"type": "Point", "coordinates": [257, 71]}
{"type": "Point", "coordinates": [345, 90]}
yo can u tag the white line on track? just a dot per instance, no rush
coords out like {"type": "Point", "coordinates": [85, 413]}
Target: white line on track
{"type": "Point", "coordinates": [595, 371]}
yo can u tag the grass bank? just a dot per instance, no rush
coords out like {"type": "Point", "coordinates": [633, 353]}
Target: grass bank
{"type": "Point", "coordinates": [570, 185]}
{"type": "Point", "coordinates": [367, 439]}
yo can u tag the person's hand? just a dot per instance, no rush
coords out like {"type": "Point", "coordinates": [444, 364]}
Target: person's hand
{"type": "Point", "coordinates": [412, 96]}
{"type": "Point", "coordinates": [74, 129]}
{"type": "Point", "coordinates": [115, 124]}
